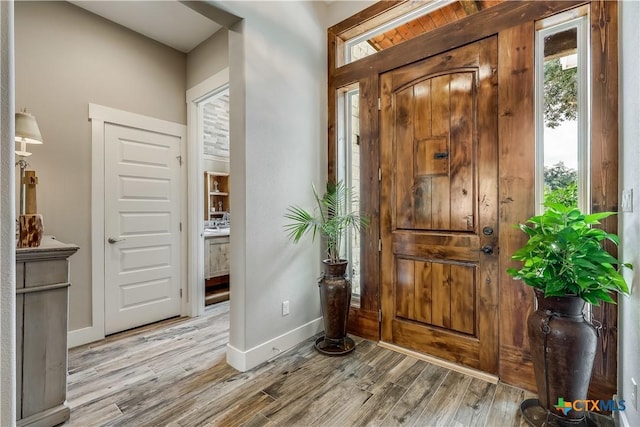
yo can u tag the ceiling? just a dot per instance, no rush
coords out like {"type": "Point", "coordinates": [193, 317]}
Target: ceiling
{"type": "Point", "coordinates": [172, 23]}
{"type": "Point", "coordinates": [168, 22]}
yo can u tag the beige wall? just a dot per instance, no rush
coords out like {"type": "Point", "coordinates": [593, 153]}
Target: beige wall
{"type": "Point", "coordinates": [65, 59]}
{"type": "Point", "coordinates": [208, 58]}
{"type": "Point", "coordinates": [205, 60]}
{"type": "Point", "coordinates": [629, 229]}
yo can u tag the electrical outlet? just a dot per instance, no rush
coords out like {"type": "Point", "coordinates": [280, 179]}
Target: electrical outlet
{"type": "Point", "coordinates": [285, 308]}
{"type": "Point", "coordinates": [634, 394]}
{"type": "Point", "coordinates": [627, 200]}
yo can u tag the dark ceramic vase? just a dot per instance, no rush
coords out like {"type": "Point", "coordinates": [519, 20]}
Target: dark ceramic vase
{"type": "Point", "coordinates": [335, 299]}
{"type": "Point", "coordinates": [563, 348]}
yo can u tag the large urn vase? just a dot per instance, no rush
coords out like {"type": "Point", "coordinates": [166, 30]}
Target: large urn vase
{"type": "Point", "coordinates": [563, 348]}
{"type": "Point", "coordinates": [335, 299]}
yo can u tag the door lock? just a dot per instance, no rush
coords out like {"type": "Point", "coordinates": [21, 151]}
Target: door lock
{"type": "Point", "coordinates": [487, 249]}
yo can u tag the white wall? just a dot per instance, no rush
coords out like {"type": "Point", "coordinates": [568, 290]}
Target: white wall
{"type": "Point", "coordinates": [340, 10]}
{"type": "Point", "coordinates": [66, 58]}
{"type": "Point", "coordinates": [629, 336]}
{"type": "Point", "coordinates": [278, 83]}
{"type": "Point", "coordinates": [7, 222]}
{"type": "Point", "coordinates": [278, 148]}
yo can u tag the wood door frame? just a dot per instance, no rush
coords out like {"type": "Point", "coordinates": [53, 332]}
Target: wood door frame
{"type": "Point", "coordinates": [513, 23]}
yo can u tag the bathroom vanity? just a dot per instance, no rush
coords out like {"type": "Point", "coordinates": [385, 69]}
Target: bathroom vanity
{"type": "Point", "coordinates": [216, 265]}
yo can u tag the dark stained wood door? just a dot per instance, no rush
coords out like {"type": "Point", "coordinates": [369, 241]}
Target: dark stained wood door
{"type": "Point", "coordinates": [439, 210]}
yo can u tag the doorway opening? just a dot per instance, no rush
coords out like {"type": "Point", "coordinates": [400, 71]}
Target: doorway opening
{"type": "Point", "coordinates": [210, 218]}
{"type": "Point", "coordinates": [213, 130]}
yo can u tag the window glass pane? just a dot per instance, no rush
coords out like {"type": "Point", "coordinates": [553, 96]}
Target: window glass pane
{"type": "Point", "coordinates": [426, 17]}
{"type": "Point", "coordinates": [563, 125]}
{"type": "Point", "coordinates": [361, 50]}
{"type": "Point", "coordinates": [348, 167]}
{"type": "Point", "coordinates": [354, 183]}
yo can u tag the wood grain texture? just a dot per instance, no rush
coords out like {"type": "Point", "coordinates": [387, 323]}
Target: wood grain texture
{"type": "Point", "coordinates": [174, 373]}
{"type": "Point", "coordinates": [470, 29]}
{"type": "Point", "coordinates": [369, 195]}
{"type": "Point", "coordinates": [513, 22]}
{"type": "Point", "coordinates": [439, 159]}
{"type": "Point", "coordinates": [604, 174]}
{"type": "Point", "coordinates": [364, 323]}
{"type": "Point", "coordinates": [363, 317]}
{"type": "Point", "coordinates": [332, 136]}
{"type": "Point", "coordinates": [516, 192]}
{"type": "Point", "coordinates": [45, 350]}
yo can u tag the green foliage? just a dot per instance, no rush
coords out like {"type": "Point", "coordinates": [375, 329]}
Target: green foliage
{"type": "Point", "coordinates": [559, 175]}
{"type": "Point", "coordinates": [330, 219]}
{"type": "Point", "coordinates": [560, 94]}
{"type": "Point", "coordinates": [565, 256]}
{"type": "Point", "coordinates": [560, 185]}
{"type": "Point", "coordinates": [565, 196]}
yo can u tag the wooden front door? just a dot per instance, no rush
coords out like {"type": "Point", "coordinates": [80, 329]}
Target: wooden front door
{"type": "Point", "coordinates": [439, 209]}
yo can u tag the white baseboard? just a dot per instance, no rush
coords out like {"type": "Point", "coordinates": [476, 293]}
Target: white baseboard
{"type": "Point", "coordinates": [83, 336]}
{"type": "Point", "coordinates": [622, 419]}
{"type": "Point", "coordinates": [245, 360]}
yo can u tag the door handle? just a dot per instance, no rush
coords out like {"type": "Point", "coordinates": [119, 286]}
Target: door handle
{"type": "Point", "coordinates": [487, 249]}
{"type": "Point", "coordinates": [113, 240]}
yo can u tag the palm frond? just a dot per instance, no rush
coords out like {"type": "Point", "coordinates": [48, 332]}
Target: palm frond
{"type": "Point", "coordinates": [331, 219]}
{"type": "Point", "coordinates": [302, 222]}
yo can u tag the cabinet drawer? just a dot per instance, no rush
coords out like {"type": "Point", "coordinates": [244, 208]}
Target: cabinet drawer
{"type": "Point", "coordinates": [39, 273]}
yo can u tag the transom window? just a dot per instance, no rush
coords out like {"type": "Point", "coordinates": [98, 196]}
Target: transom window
{"type": "Point", "coordinates": [404, 23]}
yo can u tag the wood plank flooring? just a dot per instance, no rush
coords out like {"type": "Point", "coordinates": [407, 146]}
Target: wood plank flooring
{"type": "Point", "coordinates": [174, 373]}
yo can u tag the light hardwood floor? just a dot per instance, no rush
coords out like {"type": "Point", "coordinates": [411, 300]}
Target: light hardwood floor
{"type": "Point", "coordinates": [174, 373]}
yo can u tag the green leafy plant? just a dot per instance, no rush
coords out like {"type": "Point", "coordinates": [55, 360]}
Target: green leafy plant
{"type": "Point", "coordinates": [565, 256]}
{"type": "Point", "coordinates": [561, 185]}
{"type": "Point", "coordinates": [566, 196]}
{"type": "Point", "coordinates": [331, 218]}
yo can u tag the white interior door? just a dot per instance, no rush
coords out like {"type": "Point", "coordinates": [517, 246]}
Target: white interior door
{"type": "Point", "coordinates": [142, 227]}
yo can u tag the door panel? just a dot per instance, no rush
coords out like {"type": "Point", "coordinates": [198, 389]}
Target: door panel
{"type": "Point", "coordinates": [438, 194]}
{"type": "Point", "coordinates": [142, 214]}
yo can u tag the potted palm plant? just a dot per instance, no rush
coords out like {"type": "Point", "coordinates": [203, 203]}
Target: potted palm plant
{"type": "Point", "coordinates": [565, 262]}
{"type": "Point", "coordinates": [331, 219]}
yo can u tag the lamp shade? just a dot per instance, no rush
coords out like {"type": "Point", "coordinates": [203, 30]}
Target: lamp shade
{"type": "Point", "coordinates": [27, 130]}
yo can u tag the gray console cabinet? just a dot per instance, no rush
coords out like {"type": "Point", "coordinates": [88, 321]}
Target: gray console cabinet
{"type": "Point", "coordinates": [42, 284]}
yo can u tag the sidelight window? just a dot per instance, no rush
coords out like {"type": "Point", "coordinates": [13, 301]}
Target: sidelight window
{"type": "Point", "coordinates": [562, 110]}
{"type": "Point", "coordinates": [348, 171]}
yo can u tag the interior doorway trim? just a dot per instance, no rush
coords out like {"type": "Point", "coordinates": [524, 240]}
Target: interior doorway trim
{"type": "Point", "coordinates": [193, 304]}
{"type": "Point", "coordinates": [99, 115]}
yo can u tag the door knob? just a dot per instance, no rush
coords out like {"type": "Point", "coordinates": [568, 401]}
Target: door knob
{"type": "Point", "coordinates": [113, 240]}
{"type": "Point", "coordinates": [487, 249]}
